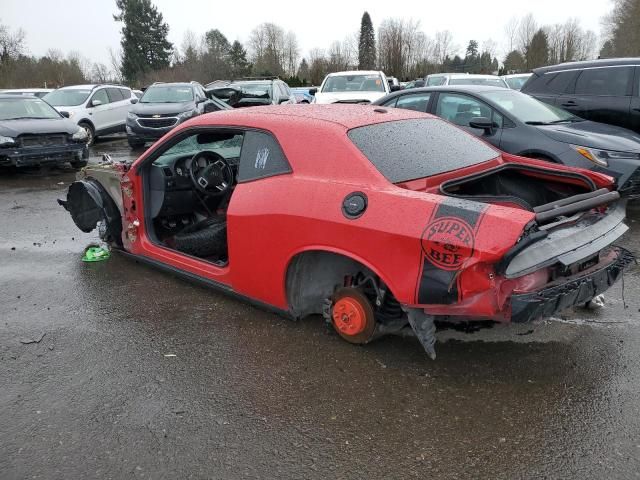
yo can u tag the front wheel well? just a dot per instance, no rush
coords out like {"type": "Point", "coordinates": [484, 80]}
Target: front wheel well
{"type": "Point", "coordinates": [312, 277]}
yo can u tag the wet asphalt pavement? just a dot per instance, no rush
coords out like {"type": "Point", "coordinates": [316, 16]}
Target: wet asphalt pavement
{"type": "Point", "coordinates": [138, 374]}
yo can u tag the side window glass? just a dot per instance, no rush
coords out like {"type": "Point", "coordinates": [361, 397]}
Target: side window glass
{"type": "Point", "coordinates": [417, 102]}
{"type": "Point", "coordinates": [115, 94]}
{"type": "Point", "coordinates": [460, 109]}
{"type": "Point", "coordinates": [126, 94]}
{"type": "Point", "coordinates": [604, 81]}
{"type": "Point", "coordinates": [497, 118]}
{"type": "Point", "coordinates": [261, 157]}
{"type": "Point", "coordinates": [101, 95]}
{"type": "Point", "coordinates": [560, 82]}
{"type": "Point", "coordinates": [390, 103]}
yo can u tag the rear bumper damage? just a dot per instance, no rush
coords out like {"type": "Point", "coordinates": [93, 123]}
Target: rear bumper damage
{"type": "Point", "coordinates": [570, 292]}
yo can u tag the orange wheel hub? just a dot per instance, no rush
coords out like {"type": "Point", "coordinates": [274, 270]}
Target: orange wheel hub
{"type": "Point", "coordinates": [349, 316]}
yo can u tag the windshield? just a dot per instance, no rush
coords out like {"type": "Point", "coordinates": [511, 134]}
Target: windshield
{"type": "Point", "coordinates": [67, 97]}
{"type": "Point", "coordinates": [529, 110]}
{"type": "Point", "coordinates": [254, 89]}
{"type": "Point", "coordinates": [491, 82]}
{"type": "Point", "coordinates": [408, 149]}
{"type": "Point", "coordinates": [516, 83]}
{"type": "Point", "coordinates": [17, 108]}
{"type": "Point", "coordinates": [167, 94]}
{"type": "Point", "coordinates": [353, 83]}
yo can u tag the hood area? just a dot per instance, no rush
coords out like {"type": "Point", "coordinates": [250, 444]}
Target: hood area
{"type": "Point", "coordinates": [14, 128]}
{"type": "Point", "coordinates": [161, 108]}
{"type": "Point", "coordinates": [593, 135]}
{"type": "Point", "coordinates": [347, 97]}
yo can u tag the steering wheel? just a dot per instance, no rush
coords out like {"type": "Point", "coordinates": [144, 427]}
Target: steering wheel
{"type": "Point", "coordinates": [210, 173]}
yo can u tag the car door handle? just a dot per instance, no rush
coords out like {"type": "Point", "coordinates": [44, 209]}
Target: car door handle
{"type": "Point", "coordinates": [636, 109]}
{"type": "Point", "coordinates": [570, 103]}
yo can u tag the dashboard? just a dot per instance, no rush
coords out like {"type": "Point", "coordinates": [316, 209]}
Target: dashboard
{"type": "Point", "coordinates": [170, 185]}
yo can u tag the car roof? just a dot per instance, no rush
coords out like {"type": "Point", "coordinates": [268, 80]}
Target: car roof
{"type": "Point", "coordinates": [91, 86]}
{"type": "Point", "coordinates": [5, 96]}
{"type": "Point", "coordinates": [471, 75]}
{"type": "Point", "coordinates": [472, 89]}
{"type": "Point", "coordinates": [355, 72]}
{"type": "Point", "coordinates": [346, 116]}
{"type": "Point", "coordinates": [516, 75]}
{"type": "Point", "coordinates": [171, 84]}
{"type": "Point", "coordinates": [604, 62]}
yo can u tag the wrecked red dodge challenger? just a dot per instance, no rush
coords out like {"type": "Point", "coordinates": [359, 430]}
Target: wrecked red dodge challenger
{"type": "Point", "coordinates": [381, 220]}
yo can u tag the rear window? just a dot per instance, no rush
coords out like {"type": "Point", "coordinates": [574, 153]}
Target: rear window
{"type": "Point", "coordinates": [408, 149]}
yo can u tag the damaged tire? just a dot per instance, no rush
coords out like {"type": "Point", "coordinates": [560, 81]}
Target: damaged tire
{"type": "Point", "coordinates": [207, 238]}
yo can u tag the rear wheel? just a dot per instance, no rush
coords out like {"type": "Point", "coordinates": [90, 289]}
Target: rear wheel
{"type": "Point", "coordinates": [352, 315]}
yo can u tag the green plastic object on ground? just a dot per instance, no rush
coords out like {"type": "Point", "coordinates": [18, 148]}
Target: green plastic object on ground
{"type": "Point", "coordinates": [95, 254]}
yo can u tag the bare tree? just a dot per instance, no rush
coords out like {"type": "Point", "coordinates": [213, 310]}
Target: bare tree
{"type": "Point", "coordinates": [511, 33]}
{"type": "Point", "coordinates": [526, 30]}
{"type": "Point", "coordinates": [444, 47]}
{"type": "Point", "coordinates": [115, 59]}
{"type": "Point", "coordinates": [291, 54]}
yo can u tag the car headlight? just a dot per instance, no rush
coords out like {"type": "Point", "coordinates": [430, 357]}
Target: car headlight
{"type": "Point", "coordinates": [602, 157]}
{"type": "Point", "coordinates": [80, 135]}
{"type": "Point", "coordinates": [7, 141]}
{"type": "Point", "coordinates": [186, 115]}
{"type": "Point", "coordinates": [131, 116]}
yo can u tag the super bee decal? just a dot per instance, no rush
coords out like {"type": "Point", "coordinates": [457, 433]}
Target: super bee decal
{"type": "Point", "coordinates": [448, 242]}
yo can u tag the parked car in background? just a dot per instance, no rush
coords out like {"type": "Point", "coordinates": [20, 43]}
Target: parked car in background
{"type": "Point", "coordinates": [165, 105]}
{"type": "Point", "coordinates": [357, 86]}
{"type": "Point", "coordinates": [405, 232]}
{"type": "Point", "coordinates": [36, 92]}
{"type": "Point", "coordinates": [393, 82]}
{"type": "Point", "coordinates": [98, 109]}
{"type": "Point", "coordinates": [33, 133]}
{"type": "Point", "coordinates": [515, 81]}
{"type": "Point", "coordinates": [254, 91]}
{"type": "Point", "coordinates": [464, 79]}
{"type": "Point", "coordinates": [604, 91]}
{"type": "Point", "coordinates": [415, 83]}
{"type": "Point", "coordinates": [302, 94]}
{"type": "Point", "coordinates": [519, 124]}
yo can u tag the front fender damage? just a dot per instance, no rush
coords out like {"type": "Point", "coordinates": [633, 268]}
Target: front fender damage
{"type": "Point", "coordinates": [90, 205]}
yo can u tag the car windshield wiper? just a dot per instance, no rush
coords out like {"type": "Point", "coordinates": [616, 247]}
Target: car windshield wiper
{"type": "Point", "coordinates": [555, 122]}
{"type": "Point", "coordinates": [30, 118]}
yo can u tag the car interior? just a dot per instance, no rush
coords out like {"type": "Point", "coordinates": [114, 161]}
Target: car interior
{"type": "Point", "coordinates": [190, 186]}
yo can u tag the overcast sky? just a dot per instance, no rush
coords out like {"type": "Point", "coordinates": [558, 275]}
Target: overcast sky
{"type": "Point", "coordinates": [87, 26]}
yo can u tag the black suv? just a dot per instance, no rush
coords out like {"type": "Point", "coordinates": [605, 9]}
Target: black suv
{"type": "Point", "coordinates": [254, 91]}
{"type": "Point", "coordinates": [165, 105]}
{"type": "Point", "coordinates": [600, 90]}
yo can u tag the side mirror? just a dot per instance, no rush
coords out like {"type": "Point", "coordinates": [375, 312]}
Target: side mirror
{"type": "Point", "coordinates": [96, 102]}
{"type": "Point", "coordinates": [134, 100]}
{"type": "Point", "coordinates": [482, 123]}
{"type": "Point", "coordinates": [283, 99]}
{"type": "Point", "coordinates": [395, 88]}
{"type": "Point", "coordinates": [313, 91]}
{"type": "Point", "coordinates": [65, 114]}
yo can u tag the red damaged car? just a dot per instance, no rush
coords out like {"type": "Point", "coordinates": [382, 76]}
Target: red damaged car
{"type": "Point", "coordinates": [381, 220]}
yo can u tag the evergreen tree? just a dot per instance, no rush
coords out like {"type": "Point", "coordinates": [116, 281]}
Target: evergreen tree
{"type": "Point", "coordinates": [514, 62]}
{"type": "Point", "coordinates": [367, 44]}
{"type": "Point", "coordinates": [537, 54]}
{"type": "Point", "coordinates": [303, 71]}
{"type": "Point", "coordinates": [144, 39]}
{"type": "Point", "coordinates": [240, 66]}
